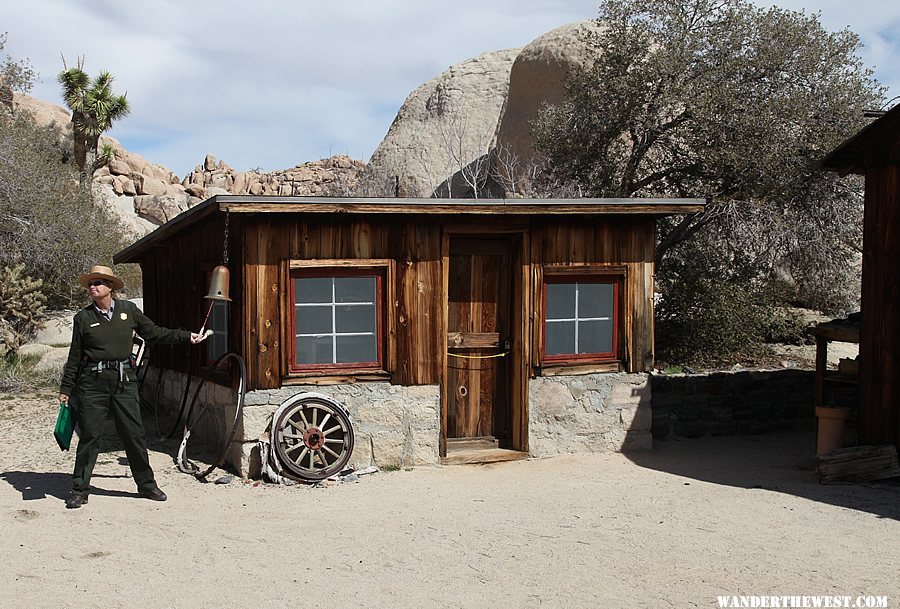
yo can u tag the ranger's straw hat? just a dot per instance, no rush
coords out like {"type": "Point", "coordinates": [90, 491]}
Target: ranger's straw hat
{"type": "Point", "coordinates": [101, 272]}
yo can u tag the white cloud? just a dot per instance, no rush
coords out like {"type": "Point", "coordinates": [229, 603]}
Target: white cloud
{"type": "Point", "coordinates": [273, 84]}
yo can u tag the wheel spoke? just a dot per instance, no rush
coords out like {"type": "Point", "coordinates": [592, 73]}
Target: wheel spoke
{"type": "Point", "coordinates": [336, 456]}
{"type": "Point", "coordinates": [322, 458]}
{"type": "Point", "coordinates": [335, 428]}
{"type": "Point", "coordinates": [324, 420]}
{"type": "Point", "coordinates": [296, 425]}
{"type": "Point", "coordinates": [303, 417]}
{"type": "Point", "coordinates": [311, 463]}
{"type": "Point", "coordinates": [302, 454]}
{"type": "Point", "coordinates": [292, 436]}
{"type": "Point", "coordinates": [294, 447]}
{"type": "Point", "coordinates": [334, 440]}
{"type": "Point", "coordinates": [315, 416]}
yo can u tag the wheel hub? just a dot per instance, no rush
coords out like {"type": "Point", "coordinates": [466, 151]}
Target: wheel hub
{"type": "Point", "coordinates": [313, 438]}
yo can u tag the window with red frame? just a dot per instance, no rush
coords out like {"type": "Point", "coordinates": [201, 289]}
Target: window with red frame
{"type": "Point", "coordinates": [337, 319]}
{"type": "Point", "coordinates": [581, 318]}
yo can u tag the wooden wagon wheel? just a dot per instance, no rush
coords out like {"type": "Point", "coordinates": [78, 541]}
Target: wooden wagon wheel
{"type": "Point", "coordinates": [313, 438]}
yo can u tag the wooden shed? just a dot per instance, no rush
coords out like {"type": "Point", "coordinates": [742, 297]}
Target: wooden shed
{"type": "Point", "coordinates": [441, 313]}
{"type": "Point", "coordinates": [875, 153]}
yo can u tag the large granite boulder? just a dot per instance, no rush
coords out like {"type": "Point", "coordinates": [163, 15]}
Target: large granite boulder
{"type": "Point", "coordinates": [122, 207]}
{"type": "Point", "coordinates": [442, 127]}
{"type": "Point", "coordinates": [538, 77]}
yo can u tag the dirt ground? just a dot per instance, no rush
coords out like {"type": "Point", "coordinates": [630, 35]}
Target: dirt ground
{"type": "Point", "coordinates": [673, 527]}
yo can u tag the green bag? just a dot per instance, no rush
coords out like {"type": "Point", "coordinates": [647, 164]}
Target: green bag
{"type": "Point", "coordinates": [65, 426]}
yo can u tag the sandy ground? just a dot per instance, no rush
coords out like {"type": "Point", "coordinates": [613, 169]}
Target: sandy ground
{"type": "Point", "coordinates": [674, 527]}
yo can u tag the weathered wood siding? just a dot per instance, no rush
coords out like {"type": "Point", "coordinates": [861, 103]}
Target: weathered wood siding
{"type": "Point", "coordinates": [625, 242]}
{"type": "Point", "coordinates": [879, 349]}
{"type": "Point", "coordinates": [271, 240]}
{"type": "Point", "coordinates": [262, 246]}
{"type": "Point", "coordinates": [175, 280]}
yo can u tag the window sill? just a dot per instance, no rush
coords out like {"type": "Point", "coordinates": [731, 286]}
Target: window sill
{"type": "Point", "coordinates": [573, 369]}
{"type": "Point", "coordinates": [332, 377]}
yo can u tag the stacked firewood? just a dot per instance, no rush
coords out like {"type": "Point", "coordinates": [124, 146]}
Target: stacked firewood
{"type": "Point", "coordinates": [858, 464]}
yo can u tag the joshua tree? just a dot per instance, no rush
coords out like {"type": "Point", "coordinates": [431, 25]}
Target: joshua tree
{"type": "Point", "coordinates": [94, 108]}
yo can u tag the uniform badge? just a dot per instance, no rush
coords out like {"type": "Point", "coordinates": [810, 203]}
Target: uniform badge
{"type": "Point", "coordinates": [123, 316]}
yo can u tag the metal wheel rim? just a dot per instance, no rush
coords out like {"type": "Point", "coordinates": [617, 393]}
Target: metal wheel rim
{"type": "Point", "coordinates": [313, 439]}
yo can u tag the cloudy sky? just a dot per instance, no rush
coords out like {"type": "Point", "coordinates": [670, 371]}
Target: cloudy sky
{"type": "Point", "coordinates": [274, 83]}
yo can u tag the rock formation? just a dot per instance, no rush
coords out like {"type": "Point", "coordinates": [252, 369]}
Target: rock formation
{"type": "Point", "coordinates": [144, 195]}
{"type": "Point", "coordinates": [471, 120]}
{"type": "Point", "coordinates": [331, 177]}
{"type": "Point", "coordinates": [476, 117]}
{"type": "Point", "coordinates": [538, 76]}
{"type": "Point", "coordinates": [442, 126]}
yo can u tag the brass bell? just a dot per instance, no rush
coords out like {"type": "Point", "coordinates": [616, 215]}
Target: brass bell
{"type": "Point", "coordinates": [218, 284]}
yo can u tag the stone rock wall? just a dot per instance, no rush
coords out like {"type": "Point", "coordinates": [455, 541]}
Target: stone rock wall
{"type": "Point", "coordinates": [590, 413]}
{"type": "Point", "coordinates": [393, 425]}
{"type": "Point", "coordinates": [728, 403]}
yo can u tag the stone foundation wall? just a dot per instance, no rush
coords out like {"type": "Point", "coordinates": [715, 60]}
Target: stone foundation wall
{"type": "Point", "coordinates": [393, 425]}
{"type": "Point", "coordinates": [724, 403]}
{"type": "Point", "coordinates": [400, 426]}
{"type": "Point", "coordinates": [590, 413]}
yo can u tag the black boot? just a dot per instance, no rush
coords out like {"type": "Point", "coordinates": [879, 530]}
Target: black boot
{"type": "Point", "coordinates": [74, 501]}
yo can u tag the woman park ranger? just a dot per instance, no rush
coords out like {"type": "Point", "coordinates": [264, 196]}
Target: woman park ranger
{"type": "Point", "coordinates": [101, 346]}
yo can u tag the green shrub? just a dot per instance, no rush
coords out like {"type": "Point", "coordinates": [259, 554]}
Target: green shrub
{"type": "Point", "coordinates": [786, 326]}
{"type": "Point", "coordinates": [21, 307]}
{"type": "Point", "coordinates": [49, 224]}
{"type": "Point", "coordinates": [717, 308]}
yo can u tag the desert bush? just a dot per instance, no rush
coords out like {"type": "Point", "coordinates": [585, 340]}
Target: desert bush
{"type": "Point", "coordinates": [47, 222]}
{"type": "Point", "coordinates": [718, 308]}
{"type": "Point", "coordinates": [21, 307]}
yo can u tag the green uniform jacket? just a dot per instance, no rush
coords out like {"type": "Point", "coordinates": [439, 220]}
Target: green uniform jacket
{"type": "Point", "coordinates": [101, 339]}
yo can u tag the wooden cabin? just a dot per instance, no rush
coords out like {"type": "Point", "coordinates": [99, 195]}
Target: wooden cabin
{"type": "Point", "coordinates": [514, 326]}
{"type": "Point", "coordinates": [875, 153]}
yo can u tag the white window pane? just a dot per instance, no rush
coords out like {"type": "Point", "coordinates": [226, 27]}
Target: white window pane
{"type": "Point", "coordinates": [313, 289]}
{"type": "Point", "coordinates": [351, 349]}
{"type": "Point", "coordinates": [315, 350]}
{"type": "Point", "coordinates": [354, 289]}
{"type": "Point", "coordinates": [560, 337]}
{"type": "Point", "coordinates": [355, 318]}
{"type": "Point", "coordinates": [595, 300]}
{"type": "Point", "coordinates": [314, 320]}
{"type": "Point", "coordinates": [595, 336]}
{"type": "Point", "coordinates": [560, 300]}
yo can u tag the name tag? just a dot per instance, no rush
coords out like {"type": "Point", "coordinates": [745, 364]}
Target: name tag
{"type": "Point", "coordinates": [123, 316]}
{"type": "Point", "coordinates": [95, 325]}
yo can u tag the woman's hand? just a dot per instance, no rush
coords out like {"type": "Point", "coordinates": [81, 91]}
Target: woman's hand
{"type": "Point", "coordinates": [196, 339]}
{"type": "Point", "coordinates": [63, 398]}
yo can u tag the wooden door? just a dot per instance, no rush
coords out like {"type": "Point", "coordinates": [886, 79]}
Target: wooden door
{"type": "Point", "coordinates": [478, 336]}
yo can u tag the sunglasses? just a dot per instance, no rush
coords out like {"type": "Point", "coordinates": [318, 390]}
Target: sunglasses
{"type": "Point", "coordinates": [96, 282]}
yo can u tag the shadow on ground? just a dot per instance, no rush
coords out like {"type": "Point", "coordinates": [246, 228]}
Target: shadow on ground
{"type": "Point", "coordinates": [39, 485]}
{"type": "Point", "coordinates": [778, 461]}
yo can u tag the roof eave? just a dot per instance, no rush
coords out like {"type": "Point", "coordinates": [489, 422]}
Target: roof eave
{"type": "Point", "coordinates": [354, 205]}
